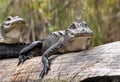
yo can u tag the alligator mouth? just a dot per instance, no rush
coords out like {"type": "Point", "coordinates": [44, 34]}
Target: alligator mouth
{"type": "Point", "coordinates": [19, 22]}
{"type": "Point", "coordinates": [82, 34]}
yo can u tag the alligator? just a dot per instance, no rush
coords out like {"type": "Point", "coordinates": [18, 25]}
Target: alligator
{"type": "Point", "coordinates": [10, 43]}
{"type": "Point", "coordinates": [11, 30]}
{"type": "Point", "coordinates": [76, 37]}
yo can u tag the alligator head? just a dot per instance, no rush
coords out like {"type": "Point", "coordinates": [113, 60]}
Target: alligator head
{"type": "Point", "coordinates": [12, 29]}
{"type": "Point", "coordinates": [78, 29]}
{"type": "Point", "coordinates": [78, 36]}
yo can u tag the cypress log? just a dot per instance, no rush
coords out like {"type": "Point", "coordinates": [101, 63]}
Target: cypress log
{"type": "Point", "coordinates": [98, 64]}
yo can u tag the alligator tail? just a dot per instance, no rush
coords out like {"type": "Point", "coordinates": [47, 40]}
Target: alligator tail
{"type": "Point", "coordinates": [11, 50]}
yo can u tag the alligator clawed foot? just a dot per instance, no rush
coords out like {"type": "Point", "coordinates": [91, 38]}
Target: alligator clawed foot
{"type": "Point", "coordinates": [44, 71]}
{"type": "Point", "coordinates": [22, 59]}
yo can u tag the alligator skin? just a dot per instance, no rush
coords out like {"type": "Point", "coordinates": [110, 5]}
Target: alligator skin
{"type": "Point", "coordinates": [10, 50]}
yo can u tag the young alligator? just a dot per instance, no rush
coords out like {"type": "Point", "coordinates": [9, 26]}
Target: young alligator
{"type": "Point", "coordinates": [75, 38]}
{"type": "Point", "coordinates": [11, 29]}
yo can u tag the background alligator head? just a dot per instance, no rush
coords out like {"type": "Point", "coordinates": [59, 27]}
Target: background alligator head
{"type": "Point", "coordinates": [12, 29]}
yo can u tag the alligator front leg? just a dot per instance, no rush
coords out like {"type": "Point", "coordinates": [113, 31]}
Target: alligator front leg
{"type": "Point", "coordinates": [50, 51]}
{"type": "Point", "coordinates": [24, 53]}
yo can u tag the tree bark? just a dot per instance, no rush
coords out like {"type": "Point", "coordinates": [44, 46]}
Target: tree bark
{"type": "Point", "coordinates": [101, 62]}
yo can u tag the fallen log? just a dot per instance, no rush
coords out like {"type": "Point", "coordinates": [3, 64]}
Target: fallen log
{"type": "Point", "coordinates": [85, 66]}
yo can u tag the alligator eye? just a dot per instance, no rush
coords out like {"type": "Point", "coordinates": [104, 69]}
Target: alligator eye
{"type": "Point", "coordinates": [8, 19]}
{"type": "Point", "coordinates": [85, 24]}
{"type": "Point", "coordinates": [72, 26]}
